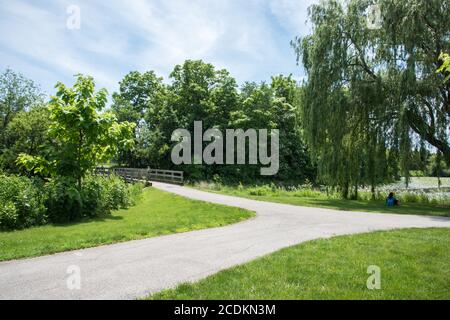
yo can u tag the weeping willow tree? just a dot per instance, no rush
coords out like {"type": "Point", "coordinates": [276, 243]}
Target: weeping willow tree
{"type": "Point", "coordinates": [372, 93]}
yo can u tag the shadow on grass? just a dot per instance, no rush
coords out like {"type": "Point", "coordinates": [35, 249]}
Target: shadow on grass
{"type": "Point", "coordinates": [101, 218]}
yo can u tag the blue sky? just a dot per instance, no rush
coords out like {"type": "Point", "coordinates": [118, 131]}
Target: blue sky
{"type": "Point", "coordinates": [250, 38]}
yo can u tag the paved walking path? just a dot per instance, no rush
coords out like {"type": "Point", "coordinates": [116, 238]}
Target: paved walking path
{"type": "Point", "coordinates": [133, 269]}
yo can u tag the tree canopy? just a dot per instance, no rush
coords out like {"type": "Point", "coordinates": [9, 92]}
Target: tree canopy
{"type": "Point", "coordinates": [17, 94]}
{"type": "Point", "coordinates": [26, 133]}
{"type": "Point", "coordinates": [372, 93]}
{"type": "Point", "coordinates": [81, 136]}
{"type": "Point", "coordinates": [200, 92]}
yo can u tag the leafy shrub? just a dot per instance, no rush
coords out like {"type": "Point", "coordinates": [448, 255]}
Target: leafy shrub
{"type": "Point", "coordinates": [369, 196]}
{"type": "Point", "coordinates": [116, 193]}
{"type": "Point", "coordinates": [93, 198]}
{"type": "Point", "coordinates": [217, 179]}
{"type": "Point", "coordinates": [419, 197]}
{"type": "Point", "coordinates": [260, 191]}
{"type": "Point", "coordinates": [28, 202]}
{"type": "Point", "coordinates": [21, 202]}
{"type": "Point", "coordinates": [416, 197]}
{"type": "Point", "coordinates": [63, 200]}
{"type": "Point", "coordinates": [307, 193]}
{"type": "Point", "coordinates": [410, 197]}
{"type": "Point", "coordinates": [8, 216]}
{"type": "Point", "coordinates": [98, 196]}
{"type": "Point", "coordinates": [134, 194]}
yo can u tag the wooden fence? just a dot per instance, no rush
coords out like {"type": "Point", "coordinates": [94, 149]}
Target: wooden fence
{"type": "Point", "coordinates": [145, 175]}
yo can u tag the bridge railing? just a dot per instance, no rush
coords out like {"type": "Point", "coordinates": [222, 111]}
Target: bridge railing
{"type": "Point", "coordinates": [145, 175]}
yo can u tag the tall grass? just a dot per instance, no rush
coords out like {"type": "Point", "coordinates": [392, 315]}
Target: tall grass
{"type": "Point", "coordinates": [308, 191]}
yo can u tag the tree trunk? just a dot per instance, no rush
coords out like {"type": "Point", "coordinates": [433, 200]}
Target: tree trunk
{"type": "Point", "coordinates": [345, 190]}
{"type": "Point", "coordinates": [356, 192]}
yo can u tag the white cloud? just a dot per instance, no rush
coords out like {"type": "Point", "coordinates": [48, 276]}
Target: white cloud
{"type": "Point", "coordinates": [249, 38]}
{"type": "Point", "coordinates": [292, 14]}
{"type": "Point", "coordinates": [40, 36]}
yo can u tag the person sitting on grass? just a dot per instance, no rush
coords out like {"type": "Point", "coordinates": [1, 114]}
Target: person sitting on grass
{"type": "Point", "coordinates": [391, 201]}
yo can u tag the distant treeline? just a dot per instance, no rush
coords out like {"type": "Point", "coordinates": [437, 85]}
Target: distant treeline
{"type": "Point", "coordinates": [199, 92]}
{"type": "Point", "coordinates": [374, 106]}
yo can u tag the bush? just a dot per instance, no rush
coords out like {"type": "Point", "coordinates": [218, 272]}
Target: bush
{"type": "Point", "coordinates": [307, 192]}
{"type": "Point", "coordinates": [63, 200]}
{"type": "Point", "coordinates": [9, 216]}
{"type": "Point", "coordinates": [369, 196]}
{"type": "Point", "coordinates": [93, 196]}
{"type": "Point", "coordinates": [111, 193]}
{"type": "Point", "coordinates": [117, 193]}
{"type": "Point", "coordinates": [21, 202]}
{"type": "Point", "coordinates": [98, 196]}
{"type": "Point", "coordinates": [28, 202]}
{"type": "Point", "coordinates": [416, 197]}
{"type": "Point", "coordinates": [260, 191]}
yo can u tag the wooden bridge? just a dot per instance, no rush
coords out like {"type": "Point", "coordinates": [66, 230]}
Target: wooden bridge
{"type": "Point", "coordinates": [144, 175]}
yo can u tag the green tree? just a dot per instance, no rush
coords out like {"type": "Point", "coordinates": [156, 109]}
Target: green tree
{"type": "Point", "coordinates": [81, 135]}
{"type": "Point", "coordinates": [25, 133]}
{"type": "Point", "coordinates": [295, 162]}
{"type": "Point", "coordinates": [17, 94]}
{"type": "Point", "coordinates": [192, 85]}
{"type": "Point", "coordinates": [370, 89]}
{"type": "Point", "coordinates": [200, 92]}
{"type": "Point", "coordinates": [275, 106]}
{"type": "Point", "coordinates": [141, 100]}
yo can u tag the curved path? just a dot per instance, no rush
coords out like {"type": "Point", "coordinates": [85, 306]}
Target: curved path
{"type": "Point", "coordinates": [133, 269]}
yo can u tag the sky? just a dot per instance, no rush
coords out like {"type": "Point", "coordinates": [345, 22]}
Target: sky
{"type": "Point", "coordinates": [249, 38]}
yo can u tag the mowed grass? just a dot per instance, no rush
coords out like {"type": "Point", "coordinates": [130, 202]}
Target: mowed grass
{"type": "Point", "coordinates": [414, 265]}
{"type": "Point", "coordinates": [157, 213]}
{"type": "Point", "coordinates": [316, 199]}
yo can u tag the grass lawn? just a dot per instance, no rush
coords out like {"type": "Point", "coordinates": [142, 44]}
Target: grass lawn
{"type": "Point", "coordinates": [414, 265]}
{"type": "Point", "coordinates": [333, 203]}
{"type": "Point", "coordinates": [158, 213]}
